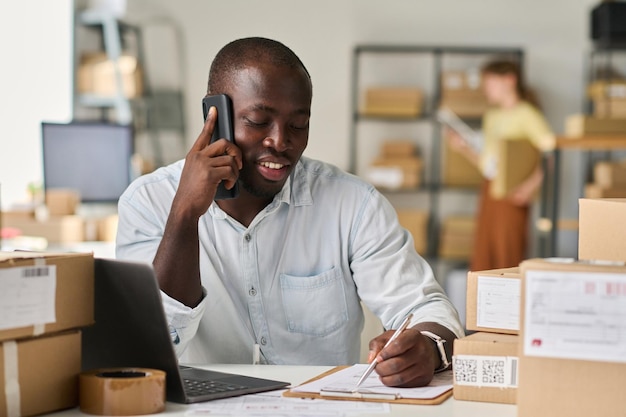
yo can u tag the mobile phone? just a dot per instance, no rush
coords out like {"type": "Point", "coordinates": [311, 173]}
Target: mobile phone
{"type": "Point", "coordinates": [223, 129]}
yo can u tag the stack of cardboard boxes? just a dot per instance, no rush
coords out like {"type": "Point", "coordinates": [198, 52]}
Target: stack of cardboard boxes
{"type": "Point", "coordinates": [46, 299]}
{"type": "Point", "coordinates": [398, 166]}
{"type": "Point", "coordinates": [485, 362]}
{"type": "Point", "coordinates": [393, 102]}
{"type": "Point", "coordinates": [570, 356]}
{"type": "Point", "coordinates": [608, 97]}
{"type": "Point", "coordinates": [609, 180]}
{"type": "Point", "coordinates": [97, 75]}
{"type": "Point", "coordinates": [461, 92]}
{"type": "Point", "coordinates": [457, 237]}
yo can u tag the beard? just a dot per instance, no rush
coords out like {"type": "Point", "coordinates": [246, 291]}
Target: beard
{"type": "Point", "coordinates": [267, 190]}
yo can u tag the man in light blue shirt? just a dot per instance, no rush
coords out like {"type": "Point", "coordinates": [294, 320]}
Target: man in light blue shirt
{"type": "Point", "coordinates": [285, 264]}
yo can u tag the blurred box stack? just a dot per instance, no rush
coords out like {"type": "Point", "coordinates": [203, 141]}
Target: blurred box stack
{"type": "Point", "coordinates": [393, 102]}
{"type": "Point", "coordinates": [457, 237]}
{"type": "Point", "coordinates": [461, 92]}
{"type": "Point", "coordinates": [608, 98]}
{"type": "Point", "coordinates": [96, 75]}
{"type": "Point", "coordinates": [609, 180]}
{"type": "Point", "coordinates": [47, 298]}
{"type": "Point", "coordinates": [398, 166]}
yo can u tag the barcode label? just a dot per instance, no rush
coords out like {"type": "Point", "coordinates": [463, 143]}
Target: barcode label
{"type": "Point", "coordinates": [36, 271]}
{"type": "Point", "coordinates": [485, 371]}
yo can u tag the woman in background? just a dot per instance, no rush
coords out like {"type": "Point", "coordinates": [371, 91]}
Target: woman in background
{"type": "Point", "coordinates": [502, 225]}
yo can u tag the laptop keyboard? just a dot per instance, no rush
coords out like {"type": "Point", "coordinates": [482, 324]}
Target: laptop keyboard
{"type": "Point", "coordinates": [195, 388]}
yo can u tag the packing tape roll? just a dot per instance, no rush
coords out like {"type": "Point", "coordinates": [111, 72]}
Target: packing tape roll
{"type": "Point", "coordinates": [122, 391]}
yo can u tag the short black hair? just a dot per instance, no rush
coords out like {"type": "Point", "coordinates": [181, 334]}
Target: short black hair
{"type": "Point", "coordinates": [236, 54]}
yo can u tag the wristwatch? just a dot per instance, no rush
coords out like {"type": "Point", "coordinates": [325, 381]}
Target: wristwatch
{"type": "Point", "coordinates": [445, 363]}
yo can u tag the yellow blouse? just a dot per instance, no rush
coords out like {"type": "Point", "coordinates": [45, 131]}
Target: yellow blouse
{"type": "Point", "coordinates": [524, 121]}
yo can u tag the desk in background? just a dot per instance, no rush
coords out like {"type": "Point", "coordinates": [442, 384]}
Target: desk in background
{"type": "Point", "coordinates": [298, 374]}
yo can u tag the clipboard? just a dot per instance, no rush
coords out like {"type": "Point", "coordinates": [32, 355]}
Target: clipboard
{"type": "Point", "coordinates": [430, 401]}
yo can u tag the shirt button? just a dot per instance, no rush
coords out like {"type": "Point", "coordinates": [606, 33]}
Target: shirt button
{"type": "Point", "coordinates": [247, 237]}
{"type": "Point", "coordinates": [263, 341]}
{"type": "Point", "coordinates": [252, 292]}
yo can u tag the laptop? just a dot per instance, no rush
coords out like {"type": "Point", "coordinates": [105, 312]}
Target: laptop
{"type": "Point", "coordinates": [131, 331]}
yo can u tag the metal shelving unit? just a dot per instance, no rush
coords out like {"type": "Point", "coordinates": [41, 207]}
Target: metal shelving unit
{"type": "Point", "coordinates": [438, 54]}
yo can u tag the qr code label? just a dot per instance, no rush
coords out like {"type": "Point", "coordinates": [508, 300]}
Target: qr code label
{"type": "Point", "coordinates": [485, 371]}
{"type": "Point", "coordinates": [493, 372]}
{"type": "Point", "coordinates": [465, 370]}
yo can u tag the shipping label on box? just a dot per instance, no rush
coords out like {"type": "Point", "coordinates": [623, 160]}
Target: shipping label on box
{"type": "Point", "coordinates": [485, 367]}
{"type": "Point", "coordinates": [45, 293]}
{"type": "Point", "coordinates": [28, 296]}
{"type": "Point", "coordinates": [493, 301]}
{"type": "Point", "coordinates": [575, 315]}
{"type": "Point", "coordinates": [573, 335]}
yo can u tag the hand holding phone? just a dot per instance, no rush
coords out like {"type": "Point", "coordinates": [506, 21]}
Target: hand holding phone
{"type": "Point", "coordinates": [223, 129]}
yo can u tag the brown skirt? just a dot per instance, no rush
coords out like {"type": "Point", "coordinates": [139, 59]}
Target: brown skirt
{"type": "Point", "coordinates": [501, 233]}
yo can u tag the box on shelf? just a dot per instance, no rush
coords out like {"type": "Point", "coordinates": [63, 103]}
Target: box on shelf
{"type": "Point", "coordinates": [469, 79]}
{"type": "Point", "coordinates": [598, 191]}
{"type": "Point", "coordinates": [485, 368]}
{"type": "Point", "coordinates": [96, 75]}
{"type": "Point", "coordinates": [45, 293]}
{"type": "Point", "coordinates": [396, 172]}
{"type": "Point", "coordinates": [493, 298]}
{"type": "Point", "coordinates": [603, 89]}
{"type": "Point", "coordinates": [458, 171]}
{"type": "Point", "coordinates": [62, 202]}
{"type": "Point", "coordinates": [517, 160]}
{"type": "Point", "coordinates": [574, 365]}
{"type": "Point", "coordinates": [56, 229]}
{"type": "Point", "coordinates": [610, 174]}
{"type": "Point", "coordinates": [47, 373]}
{"type": "Point", "coordinates": [610, 107]}
{"type": "Point", "coordinates": [392, 148]}
{"type": "Point", "coordinates": [393, 102]}
{"type": "Point", "coordinates": [457, 237]}
{"type": "Point", "coordinates": [602, 229]}
{"type": "Point", "coordinates": [107, 228]}
{"type": "Point", "coordinates": [416, 222]}
{"type": "Point", "coordinates": [465, 103]}
{"type": "Point", "coordinates": [579, 125]}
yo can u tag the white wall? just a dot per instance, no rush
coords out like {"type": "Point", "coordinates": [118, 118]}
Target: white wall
{"type": "Point", "coordinates": [36, 85]}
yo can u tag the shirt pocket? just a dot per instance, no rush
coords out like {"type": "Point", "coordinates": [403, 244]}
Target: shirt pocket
{"type": "Point", "coordinates": [314, 305]}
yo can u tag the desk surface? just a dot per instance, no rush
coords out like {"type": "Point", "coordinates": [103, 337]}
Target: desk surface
{"type": "Point", "coordinates": [299, 374]}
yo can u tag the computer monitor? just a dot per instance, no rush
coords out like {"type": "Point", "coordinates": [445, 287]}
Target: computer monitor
{"type": "Point", "coordinates": [90, 157]}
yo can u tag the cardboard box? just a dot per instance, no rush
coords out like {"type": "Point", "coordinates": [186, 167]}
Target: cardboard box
{"type": "Point", "coordinates": [56, 229]}
{"type": "Point", "coordinates": [96, 75]}
{"type": "Point", "coordinates": [62, 202]}
{"type": "Point", "coordinates": [455, 80]}
{"type": "Point", "coordinates": [518, 159]}
{"type": "Point", "coordinates": [610, 174]}
{"type": "Point", "coordinates": [49, 293]}
{"type": "Point", "coordinates": [493, 298]}
{"type": "Point", "coordinates": [398, 148]}
{"type": "Point", "coordinates": [610, 107]}
{"type": "Point", "coordinates": [416, 222]}
{"type": "Point", "coordinates": [465, 102]}
{"type": "Point", "coordinates": [572, 358]}
{"type": "Point", "coordinates": [458, 171]}
{"type": "Point", "coordinates": [603, 89]}
{"type": "Point", "coordinates": [107, 228]}
{"type": "Point", "coordinates": [457, 237]}
{"type": "Point", "coordinates": [579, 125]}
{"type": "Point", "coordinates": [395, 173]}
{"type": "Point", "coordinates": [602, 229]}
{"type": "Point", "coordinates": [485, 368]}
{"type": "Point", "coordinates": [47, 373]}
{"type": "Point", "coordinates": [393, 102]}
{"type": "Point", "coordinates": [598, 191]}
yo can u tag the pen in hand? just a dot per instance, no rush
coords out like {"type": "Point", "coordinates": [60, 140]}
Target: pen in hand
{"type": "Point", "coordinates": [397, 333]}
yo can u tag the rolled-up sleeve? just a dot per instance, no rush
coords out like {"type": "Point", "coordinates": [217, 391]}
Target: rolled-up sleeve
{"type": "Point", "coordinates": [183, 321]}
